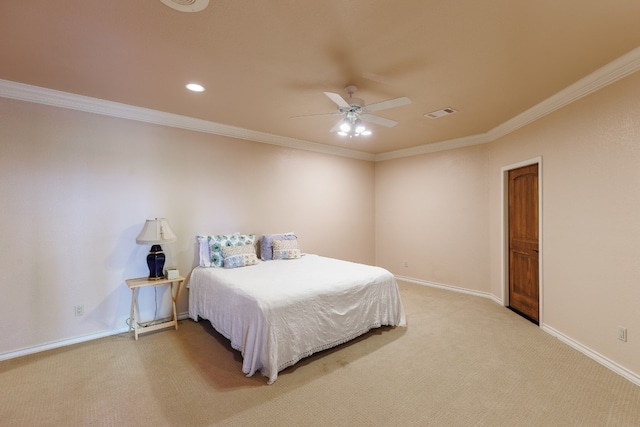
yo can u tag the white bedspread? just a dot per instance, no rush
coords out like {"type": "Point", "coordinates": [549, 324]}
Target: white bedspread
{"type": "Point", "coordinates": [278, 312]}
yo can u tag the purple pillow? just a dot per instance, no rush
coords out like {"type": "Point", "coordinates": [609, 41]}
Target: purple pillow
{"type": "Point", "coordinates": [266, 244]}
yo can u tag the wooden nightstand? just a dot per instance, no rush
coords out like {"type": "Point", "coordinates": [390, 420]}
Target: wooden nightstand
{"type": "Point", "coordinates": [134, 285]}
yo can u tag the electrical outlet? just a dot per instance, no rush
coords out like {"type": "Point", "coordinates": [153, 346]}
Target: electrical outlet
{"type": "Point", "coordinates": [406, 263]}
{"type": "Point", "coordinates": [79, 310]}
{"type": "Point", "coordinates": [622, 333]}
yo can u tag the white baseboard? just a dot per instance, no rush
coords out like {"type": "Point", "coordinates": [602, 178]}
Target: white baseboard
{"type": "Point", "coordinates": [450, 288]}
{"type": "Point", "coordinates": [620, 370]}
{"type": "Point", "coordinates": [70, 341]}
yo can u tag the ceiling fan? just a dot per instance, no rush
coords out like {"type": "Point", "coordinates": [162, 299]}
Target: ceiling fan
{"type": "Point", "coordinates": [355, 112]}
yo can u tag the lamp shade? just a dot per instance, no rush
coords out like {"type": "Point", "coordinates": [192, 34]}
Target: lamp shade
{"type": "Point", "coordinates": [155, 231]}
{"type": "Point", "coordinates": [345, 126]}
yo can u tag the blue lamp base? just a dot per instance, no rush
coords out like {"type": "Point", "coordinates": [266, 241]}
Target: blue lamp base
{"type": "Point", "coordinates": [155, 262]}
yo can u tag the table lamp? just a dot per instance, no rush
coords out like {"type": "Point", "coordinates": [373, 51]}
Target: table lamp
{"type": "Point", "coordinates": [155, 232]}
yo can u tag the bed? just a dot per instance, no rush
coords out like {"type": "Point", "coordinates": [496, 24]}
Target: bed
{"type": "Point", "coordinates": [280, 311]}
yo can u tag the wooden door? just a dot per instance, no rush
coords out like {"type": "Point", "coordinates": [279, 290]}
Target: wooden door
{"type": "Point", "coordinates": [524, 287]}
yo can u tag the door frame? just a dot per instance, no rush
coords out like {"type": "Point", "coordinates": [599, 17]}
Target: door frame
{"type": "Point", "coordinates": [504, 187]}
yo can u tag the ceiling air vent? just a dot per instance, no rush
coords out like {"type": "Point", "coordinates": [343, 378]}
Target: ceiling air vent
{"type": "Point", "coordinates": [440, 113]}
{"type": "Point", "coordinates": [186, 5]}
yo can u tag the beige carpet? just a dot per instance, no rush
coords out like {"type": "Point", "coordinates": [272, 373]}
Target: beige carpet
{"type": "Point", "coordinates": [462, 361]}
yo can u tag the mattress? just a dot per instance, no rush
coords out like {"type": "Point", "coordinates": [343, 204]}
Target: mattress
{"type": "Point", "coordinates": [278, 312]}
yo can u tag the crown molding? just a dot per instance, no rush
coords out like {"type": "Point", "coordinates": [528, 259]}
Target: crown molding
{"type": "Point", "coordinates": [604, 76]}
{"type": "Point", "coordinates": [55, 98]}
{"type": "Point", "coordinates": [610, 73]}
{"type": "Point", "coordinates": [450, 144]}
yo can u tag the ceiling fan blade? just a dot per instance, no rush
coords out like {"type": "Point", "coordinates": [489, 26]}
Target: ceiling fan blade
{"type": "Point", "coordinates": [391, 103]}
{"type": "Point", "coordinates": [337, 99]}
{"type": "Point", "coordinates": [336, 127]}
{"type": "Point", "coordinates": [379, 78]}
{"type": "Point", "coordinates": [335, 113]}
{"type": "Point", "coordinates": [379, 120]}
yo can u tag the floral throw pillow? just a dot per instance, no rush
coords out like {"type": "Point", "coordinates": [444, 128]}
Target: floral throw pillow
{"type": "Point", "coordinates": [239, 256]}
{"type": "Point", "coordinates": [211, 247]}
{"type": "Point", "coordinates": [266, 244]}
{"type": "Point", "coordinates": [286, 249]}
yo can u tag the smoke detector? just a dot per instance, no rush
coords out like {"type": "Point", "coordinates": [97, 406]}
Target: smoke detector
{"type": "Point", "coordinates": [440, 113]}
{"type": "Point", "coordinates": [187, 5]}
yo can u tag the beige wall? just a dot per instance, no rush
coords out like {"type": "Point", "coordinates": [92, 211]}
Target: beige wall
{"type": "Point", "coordinates": [432, 212]}
{"type": "Point", "coordinates": [442, 213]}
{"type": "Point", "coordinates": [77, 187]}
{"type": "Point", "coordinates": [591, 217]}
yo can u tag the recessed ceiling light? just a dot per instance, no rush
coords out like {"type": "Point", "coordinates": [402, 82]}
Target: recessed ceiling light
{"type": "Point", "coordinates": [186, 5]}
{"type": "Point", "coordinates": [195, 87]}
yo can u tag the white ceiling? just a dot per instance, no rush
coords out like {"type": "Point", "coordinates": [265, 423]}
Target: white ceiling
{"type": "Point", "coordinates": [263, 62]}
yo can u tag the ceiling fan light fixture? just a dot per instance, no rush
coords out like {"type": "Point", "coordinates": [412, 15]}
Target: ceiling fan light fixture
{"type": "Point", "coordinates": [352, 108]}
